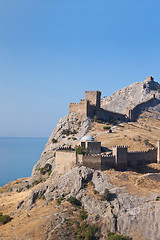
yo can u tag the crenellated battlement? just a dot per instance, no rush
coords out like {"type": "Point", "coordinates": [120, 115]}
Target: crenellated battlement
{"type": "Point", "coordinates": [110, 156]}
{"type": "Point", "coordinates": [91, 106]}
{"type": "Point", "coordinates": [147, 151]}
{"type": "Point", "coordinates": [91, 91]}
{"type": "Point", "coordinates": [120, 146]}
{"type": "Point", "coordinates": [73, 103]}
{"type": "Point", "coordinates": [65, 148]}
{"type": "Point", "coordinates": [120, 158]}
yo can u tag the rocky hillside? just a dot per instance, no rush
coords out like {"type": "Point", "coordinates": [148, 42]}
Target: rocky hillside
{"type": "Point", "coordinates": [73, 127]}
{"type": "Point", "coordinates": [68, 132]}
{"type": "Point", "coordinates": [131, 96]}
{"type": "Point", "coordinates": [83, 202]}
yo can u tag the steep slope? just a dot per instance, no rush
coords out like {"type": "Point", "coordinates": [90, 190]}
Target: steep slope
{"type": "Point", "coordinates": [44, 212]}
{"type": "Point", "coordinates": [39, 206]}
{"type": "Point", "coordinates": [69, 130]}
{"type": "Point", "coordinates": [131, 96]}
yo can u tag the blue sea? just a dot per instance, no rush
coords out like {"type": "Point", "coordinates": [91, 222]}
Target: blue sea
{"type": "Point", "coordinates": [18, 156]}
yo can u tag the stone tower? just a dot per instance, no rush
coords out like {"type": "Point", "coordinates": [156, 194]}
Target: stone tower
{"type": "Point", "coordinates": [121, 155]}
{"type": "Point", "coordinates": [94, 97]}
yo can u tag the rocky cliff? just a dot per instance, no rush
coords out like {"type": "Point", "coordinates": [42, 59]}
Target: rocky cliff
{"type": "Point", "coordinates": [40, 208]}
{"type": "Point", "coordinates": [68, 132]}
{"type": "Point", "coordinates": [73, 127]}
{"type": "Point", "coordinates": [46, 212]}
{"type": "Point", "coordinates": [132, 95]}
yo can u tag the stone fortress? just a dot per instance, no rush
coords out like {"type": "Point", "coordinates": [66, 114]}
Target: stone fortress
{"type": "Point", "coordinates": [91, 106]}
{"type": "Point", "coordinates": [119, 158]}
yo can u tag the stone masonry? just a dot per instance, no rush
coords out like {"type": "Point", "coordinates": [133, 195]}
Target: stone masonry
{"type": "Point", "coordinates": [120, 159]}
{"type": "Point", "coordinates": [90, 107]}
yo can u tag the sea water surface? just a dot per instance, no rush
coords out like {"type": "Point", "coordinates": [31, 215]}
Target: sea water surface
{"type": "Point", "coordinates": [18, 156]}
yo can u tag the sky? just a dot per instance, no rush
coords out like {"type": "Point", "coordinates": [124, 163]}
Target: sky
{"type": "Point", "coordinates": [52, 51]}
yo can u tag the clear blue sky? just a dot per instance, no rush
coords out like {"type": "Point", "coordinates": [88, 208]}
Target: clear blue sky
{"type": "Point", "coordinates": [52, 51]}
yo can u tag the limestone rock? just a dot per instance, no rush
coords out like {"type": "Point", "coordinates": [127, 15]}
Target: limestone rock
{"type": "Point", "coordinates": [68, 132]}
{"type": "Point", "coordinates": [133, 215]}
{"type": "Point", "coordinates": [130, 96]}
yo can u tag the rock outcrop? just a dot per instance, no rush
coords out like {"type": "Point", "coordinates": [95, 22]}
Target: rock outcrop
{"type": "Point", "coordinates": [131, 214]}
{"type": "Point", "coordinates": [130, 96]}
{"type": "Point", "coordinates": [126, 213]}
{"type": "Point", "coordinates": [68, 132]}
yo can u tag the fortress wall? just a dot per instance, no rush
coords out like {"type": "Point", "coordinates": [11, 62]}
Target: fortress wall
{"type": "Point", "coordinates": [139, 108]}
{"type": "Point", "coordinates": [80, 108]}
{"type": "Point", "coordinates": [108, 115]}
{"type": "Point", "coordinates": [92, 110]}
{"type": "Point", "coordinates": [65, 160]}
{"type": "Point", "coordinates": [139, 158]}
{"type": "Point", "coordinates": [92, 161]}
{"type": "Point", "coordinates": [107, 162]}
{"type": "Point", "coordinates": [93, 147]}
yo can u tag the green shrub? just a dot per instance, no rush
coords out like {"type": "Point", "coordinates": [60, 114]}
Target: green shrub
{"type": "Point", "coordinates": [83, 215]}
{"type": "Point", "coordinates": [4, 219]}
{"type": "Point", "coordinates": [81, 150]}
{"type": "Point", "coordinates": [45, 169]}
{"type": "Point", "coordinates": [49, 173]}
{"type": "Point", "coordinates": [28, 186]}
{"type": "Point", "coordinates": [146, 141]}
{"type": "Point", "coordinates": [54, 140]}
{"type": "Point", "coordinates": [113, 236]}
{"type": "Point", "coordinates": [90, 232]}
{"type": "Point", "coordinates": [74, 201]}
{"type": "Point", "coordinates": [106, 127]}
{"type": "Point", "coordinates": [106, 195]}
{"type": "Point", "coordinates": [37, 181]}
{"type": "Point", "coordinates": [20, 190]}
{"type": "Point", "coordinates": [157, 198]}
{"type": "Point", "coordinates": [68, 132]}
{"type": "Point", "coordinates": [59, 200]}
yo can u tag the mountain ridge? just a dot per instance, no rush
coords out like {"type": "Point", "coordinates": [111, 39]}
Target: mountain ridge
{"type": "Point", "coordinates": [132, 95]}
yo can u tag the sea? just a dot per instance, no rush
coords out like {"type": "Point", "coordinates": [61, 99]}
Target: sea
{"type": "Point", "coordinates": [18, 156]}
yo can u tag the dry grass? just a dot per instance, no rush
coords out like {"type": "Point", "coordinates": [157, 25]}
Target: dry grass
{"type": "Point", "coordinates": [132, 134]}
{"type": "Point", "coordinates": [35, 223]}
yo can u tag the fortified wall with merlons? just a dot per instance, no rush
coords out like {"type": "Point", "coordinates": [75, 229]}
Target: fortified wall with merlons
{"type": "Point", "coordinates": [119, 158]}
{"type": "Point", "coordinates": [91, 106]}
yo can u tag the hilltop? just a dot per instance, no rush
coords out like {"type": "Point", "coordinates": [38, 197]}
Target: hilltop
{"type": "Point", "coordinates": [132, 95]}
{"type": "Point", "coordinates": [40, 207]}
